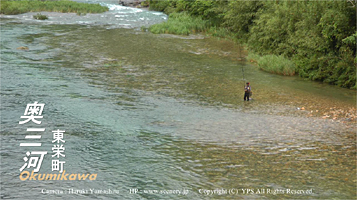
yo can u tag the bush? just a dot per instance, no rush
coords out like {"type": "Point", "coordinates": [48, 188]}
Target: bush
{"type": "Point", "coordinates": [276, 64]}
{"type": "Point", "coordinates": [181, 24]}
{"type": "Point", "coordinates": [158, 5]}
{"type": "Point", "coordinates": [253, 58]}
{"type": "Point", "coordinates": [145, 3]}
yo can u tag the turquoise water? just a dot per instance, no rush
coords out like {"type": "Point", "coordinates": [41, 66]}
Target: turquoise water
{"type": "Point", "coordinates": [164, 112]}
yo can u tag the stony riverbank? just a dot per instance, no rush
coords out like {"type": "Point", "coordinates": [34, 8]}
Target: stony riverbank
{"type": "Point", "coordinates": [132, 3]}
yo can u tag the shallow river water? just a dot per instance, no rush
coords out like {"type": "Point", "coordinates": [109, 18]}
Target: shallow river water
{"type": "Point", "coordinates": [160, 113]}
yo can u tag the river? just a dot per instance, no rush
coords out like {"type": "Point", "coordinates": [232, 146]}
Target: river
{"type": "Point", "coordinates": [165, 113]}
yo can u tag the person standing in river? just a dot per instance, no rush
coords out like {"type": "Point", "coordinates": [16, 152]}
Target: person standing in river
{"type": "Point", "coordinates": [247, 90]}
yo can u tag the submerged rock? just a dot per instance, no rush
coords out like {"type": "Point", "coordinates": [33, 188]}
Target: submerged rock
{"type": "Point", "coordinates": [22, 48]}
{"type": "Point", "coordinates": [131, 3]}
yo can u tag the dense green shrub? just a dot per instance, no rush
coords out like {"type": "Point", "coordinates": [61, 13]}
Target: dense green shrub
{"type": "Point", "coordinates": [180, 23]}
{"type": "Point", "coordinates": [277, 65]}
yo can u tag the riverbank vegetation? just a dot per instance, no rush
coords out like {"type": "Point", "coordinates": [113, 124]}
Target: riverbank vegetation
{"type": "Point", "coordinates": [314, 39]}
{"type": "Point", "coordinates": [274, 64]}
{"type": "Point", "coordinates": [181, 23]}
{"type": "Point", "coordinates": [9, 7]}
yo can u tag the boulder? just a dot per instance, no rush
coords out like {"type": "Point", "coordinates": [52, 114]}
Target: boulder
{"type": "Point", "coordinates": [131, 3]}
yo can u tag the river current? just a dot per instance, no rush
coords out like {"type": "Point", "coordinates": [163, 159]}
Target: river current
{"type": "Point", "coordinates": [165, 114]}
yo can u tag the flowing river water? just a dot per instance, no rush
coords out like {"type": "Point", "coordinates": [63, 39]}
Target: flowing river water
{"type": "Point", "coordinates": [166, 112]}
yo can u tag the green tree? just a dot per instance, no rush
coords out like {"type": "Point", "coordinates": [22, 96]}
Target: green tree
{"type": "Point", "coordinates": [241, 15]}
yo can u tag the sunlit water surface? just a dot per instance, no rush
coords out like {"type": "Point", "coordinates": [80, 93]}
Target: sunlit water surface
{"type": "Point", "coordinates": [165, 112]}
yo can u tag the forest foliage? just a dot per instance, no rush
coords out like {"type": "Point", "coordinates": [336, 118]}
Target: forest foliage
{"type": "Point", "coordinates": [316, 38]}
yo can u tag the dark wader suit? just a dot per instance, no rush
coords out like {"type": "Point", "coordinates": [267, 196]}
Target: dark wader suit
{"type": "Point", "coordinates": [246, 93]}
